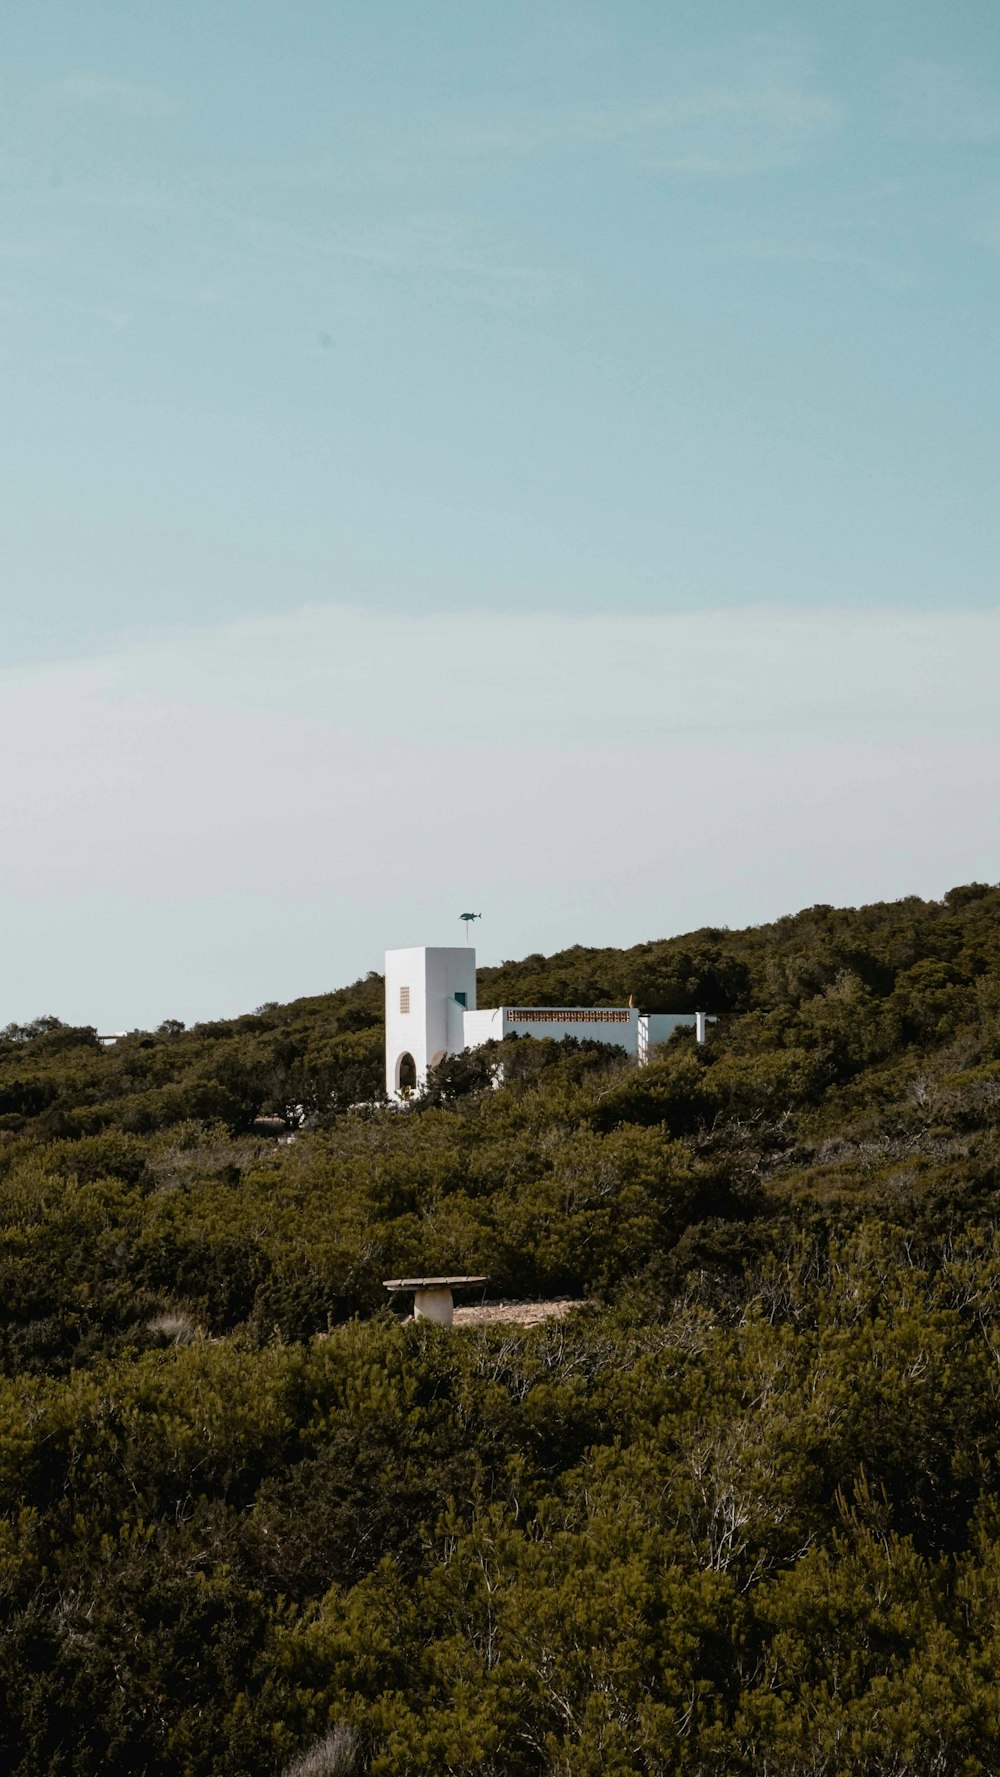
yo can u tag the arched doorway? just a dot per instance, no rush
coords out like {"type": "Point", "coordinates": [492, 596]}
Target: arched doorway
{"type": "Point", "coordinates": [406, 1074]}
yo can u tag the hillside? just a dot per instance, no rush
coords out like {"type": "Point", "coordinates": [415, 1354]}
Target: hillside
{"type": "Point", "coordinates": [737, 1514]}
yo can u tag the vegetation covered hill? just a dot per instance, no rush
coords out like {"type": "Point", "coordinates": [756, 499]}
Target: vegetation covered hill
{"type": "Point", "coordinates": [739, 1514]}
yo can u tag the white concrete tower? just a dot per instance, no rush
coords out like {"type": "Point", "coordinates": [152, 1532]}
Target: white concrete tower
{"type": "Point", "coordinates": [428, 990]}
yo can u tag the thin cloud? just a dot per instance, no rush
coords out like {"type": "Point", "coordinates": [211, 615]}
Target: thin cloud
{"type": "Point", "coordinates": [785, 108]}
{"type": "Point", "coordinates": [796, 675]}
{"type": "Point", "coordinates": [987, 234]}
{"type": "Point", "coordinates": [438, 249]}
{"type": "Point", "coordinates": [714, 166]}
{"type": "Point", "coordinates": [128, 98]}
{"type": "Point", "coordinates": [238, 232]}
{"type": "Point", "coordinates": [823, 255]}
{"type": "Point", "coordinates": [938, 102]}
{"type": "Point", "coordinates": [752, 762]}
{"type": "Point", "coordinates": [500, 137]}
{"type": "Point", "coordinates": [702, 123]}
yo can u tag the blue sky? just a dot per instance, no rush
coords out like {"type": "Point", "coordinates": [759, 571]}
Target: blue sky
{"type": "Point", "coordinates": [472, 319]}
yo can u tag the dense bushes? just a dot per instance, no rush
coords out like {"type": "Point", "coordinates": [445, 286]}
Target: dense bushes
{"type": "Point", "coordinates": [620, 1544]}
{"type": "Point", "coordinates": [739, 1513]}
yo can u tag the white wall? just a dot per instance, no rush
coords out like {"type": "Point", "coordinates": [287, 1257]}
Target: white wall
{"type": "Point", "coordinates": [437, 1024]}
{"type": "Point", "coordinates": [433, 974]}
{"type": "Point", "coordinates": [600, 1024]}
{"type": "Point", "coordinates": [482, 1027]}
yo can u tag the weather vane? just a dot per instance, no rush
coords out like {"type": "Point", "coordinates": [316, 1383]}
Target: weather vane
{"type": "Point", "coordinates": [468, 918]}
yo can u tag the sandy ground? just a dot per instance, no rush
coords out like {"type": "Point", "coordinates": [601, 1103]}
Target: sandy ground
{"type": "Point", "coordinates": [513, 1314]}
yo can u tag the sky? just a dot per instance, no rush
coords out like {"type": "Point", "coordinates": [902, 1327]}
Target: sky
{"type": "Point", "coordinates": [541, 459]}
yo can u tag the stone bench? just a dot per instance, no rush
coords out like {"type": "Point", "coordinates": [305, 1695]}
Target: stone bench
{"type": "Point", "coordinates": [432, 1296]}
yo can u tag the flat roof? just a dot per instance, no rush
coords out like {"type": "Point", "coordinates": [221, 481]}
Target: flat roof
{"type": "Point", "coordinates": [428, 1283]}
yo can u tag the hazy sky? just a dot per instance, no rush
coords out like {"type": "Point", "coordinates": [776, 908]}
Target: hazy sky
{"type": "Point", "coordinates": [533, 457]}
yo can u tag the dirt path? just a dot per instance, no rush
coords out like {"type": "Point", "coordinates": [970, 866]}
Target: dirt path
{"type": "Point", "coordinates": [513, 1314]}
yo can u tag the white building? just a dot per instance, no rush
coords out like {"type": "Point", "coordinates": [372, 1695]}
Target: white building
{"type": "Point", "coordinates": [430, 1012]}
